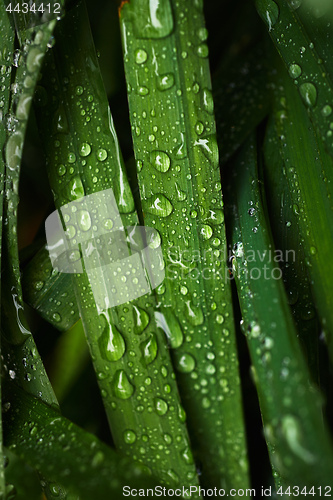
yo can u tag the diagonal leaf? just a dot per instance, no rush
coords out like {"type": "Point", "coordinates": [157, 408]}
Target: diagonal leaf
{"type": "Point", "coordinates": [67, 454]}
{"type": "Point", "coordinates": [130, 354]}
{"type": "Point", "coordinates": [299, 443]}
{"type": "Point", "coordinates": [173, 129]}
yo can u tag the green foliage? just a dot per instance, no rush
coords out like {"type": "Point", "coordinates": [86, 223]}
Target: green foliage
{"type": "Point", "coordinates": [156, 390]}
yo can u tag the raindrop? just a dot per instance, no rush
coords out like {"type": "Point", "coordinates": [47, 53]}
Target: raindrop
{"type": "Point", "coordinates": [160, 160]}
{"type": "Point", "coordinates": [185, 363]}
{"type": "Point", "coordinates": [206, 232]}
{"type": "Point", "coordinates": [71, 158]}
{"type": "Point", "coordinates": [149, 349]}
{"type": "Point", "coordinates": [141, 56]}
{"type": "Point", "coordinates": [165, 82]}
{"type": "Point", "coordinates": [76, 189]}
{"type": "Point", "coordinates": [79, 90]}
{"type": "Point", "coordinates": [327, 110]}
{"type": "Point", "coordinates": [308, 93]}
{"type": "Point", "coordinates": [85, 149]}
{"type": "Point", "coordinates": [122, 387]}
{"type": "Point", "coordinates": [161, 406]}
{"type": "Point", "coordinates": [61, 170]}
{"type": "Point", "coordinates": [34, 59]}
{"type": "Point", "coordinates": [158, 205]}
{"type": "Point", "coordinates": [102, 154]}
{"type": "Point", "coordinates": [199, 128]}
{"type": "Point", "coordinates": [295, 71]}
{"type": "Point", "coordinates": [111, 343]}
{"type": "Point", "coordinates": [207, 100]}
{"type": "Point", "coordinates": [181, 195]}
{"type": "Point", "coordinates": [14, 151]}
{"type": "Point", "coordinates": [129, 436]}
{"type": "Point", "coordinates": [143, 91]}
{"type": "Point", "coordinates": [194, 314]}
{"type": "Point", "coordinates": [56, 317]}
{"type": "Point", "coordinates": [171, 327]}
{"type": "Point", "coordinates": [84, 220]}
{"type": "Point", "coordinates": [141, 320]}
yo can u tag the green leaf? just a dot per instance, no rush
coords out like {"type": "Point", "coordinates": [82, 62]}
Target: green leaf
{"type": "Point", "coordinates": [308, 170]}
{"type": "Point", "coordinates": [173, 129]}
{"type": "Point", "coordinates": [299, 442]}
{"type": "Point", "coordinates": [64, 452]}
{"type": "Point", "coordinates": [130, 354]}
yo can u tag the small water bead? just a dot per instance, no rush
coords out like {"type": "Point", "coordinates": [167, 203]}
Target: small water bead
{"type": "Point", "coordinates": [38, 285]}
{"type": "Point", "coordinates": [79, 90]}
{"type": "Point", "coordinates": [122, 387]}
{"type": "Point", "coordinates": [251, 211]}
{"type": "Point", "coordinates": [295, 71]}
{"type": "Point", "coordinates": [71, 158]}
{"type": "Point", "coordinates": [56, 317]}
{"type": "Point", "coordinates": [85, 149]}
{"type": "Point", "coordinates": [161, 406]}
{"type": "Point", "coordinates": [102, 154]}
{"type": "Point", "coordinates": [202, 34]}
{"type": "Point", "coordinates": [202, 50]}
{"type": "Point", "coordinates": [181, 195]}
{"type": "Point", "coordinates": [141, 56]}
{"type": "Point", "coordinates": [183, 289]}
{"type": "Point", "coordinates": [141, 319]}
{"type": "Point", "coordinates": [158, 205]}
{"type": "Point", "coordinates": [295, 4]}
{"type": "Point", "coordinates": [149, 349]}
{"type": "Point", "coordinates": [206, 232]}
{"type": "Point", "coordinates": [61, 170]}
{"type": "Point", "coordinates": [185, 363]}
{"type": "Point", "coordinates": [166, 81]}
{"type": "Point", "coordinates": [308, 93]}
{"type": "Point", "coordinates": [160, 160]}
{"type": "Point", "coordinates": [143, 91]}
{"type": "Point", "coordinates": [199, 128]}
{"type": "Point", "coordinates": [327, 110]}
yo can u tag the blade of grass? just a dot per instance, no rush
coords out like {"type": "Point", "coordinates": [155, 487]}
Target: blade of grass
{"type": "Point", "coordinates": [6, 57]}
{"type": "Point", "coordinates": [172, 117]}
{"type": "Point", "coordinates": [59, 449]}
{"type": "Point", "coordinates": [308, 169]}
{"type": "Point", "coordinates": [298, 50]}
{"type": "Point", "coordinates": [299, 443]}
{"type": "Point", "coordinates": [129, 353]}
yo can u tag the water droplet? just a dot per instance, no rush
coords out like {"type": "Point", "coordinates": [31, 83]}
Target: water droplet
{"type": "Point", "coordinates": [34, 59]}
{"type": "Point", "coordinates": [141, 320]}
{"type": "Point", "coordinates": [111, 343]}
{"type": "Point", "coordinates": [156, 21]}
{"type": "Point", "coordinates": [122, 387]}
{"type": "Point", "coordinates": [169, 323]}
{"type": "Point", "coordinates": [23, 107]}
{"type": "Point", "coordinates": [165, 82]}
{"type": "Point", "coordinates": [79, 90]}
{"type": "Point", "coordinates": [143, 91]}
{"type": "Point", "coordinates": [295, 4]}
{"type": "Point", "coordinates": [181, 195]}
{"type": "Point", "coordinates": [327, 110]}
{"type": "Point", "coordinates": [141, 56]}
{"type": "Point", "coordinates": [158, 205]}
{"type": "Point", "coordinates": [129, 436]}
{"type": "Point", "coordinates": [38, 285]}
{"type": "Point", "coordinates": [71, 158]}
{"type": "Point", "coordinates": [216, 216]}
{"type": "Point", "coordinates": [291, 429]}
{"type": "Point", "coordinates": [14, 151]}
{"type": "Point", "coordinates": [187, 456]}
{"type": "Point", "coordinates": [173, 476]}
{"type": "Point", "coordinates": [308, 93]}
{"type": "Point", "coordinates": [61, 170]}
{"type": "Point", "coordinates": [207, 101]}
{"type": "Point", "coordinates": [269, 12]}
{"type": "Point", "coordinates": [185, 363]}
{"type": "Point", "coordinates": [56, 317]}
{"type": "Point", "coordinates": [98, 459]}
{"type": "Point", "coordinates": [160, 160]}
{"type": "Point", "coordinates": [161, 406]}
{"type": "Point", "coordinates": [202, 50]}
{"type": "Point", "coordinates": [75, 188]}
{"type": "Point", "coordinates": [199, 128]}
{"type": "Point", "coordinates": [149, 349]}
{"type": "Point", "coordinates": [295, 71]}
{"type": "Point", "coordinates": [313, 250]}
{"type": "Point", "coordinates": [102, 154]}
{"type": "Point", "coordinates": [202, 34]}
{"type": "Point", "coordinates": [206, 232]}
{"type": "Point", "coordinates": [85, 149]}
{"type": "Point", "coordinates": [84, 220]}
{"type": "Point", "coordinates": [194, 313]}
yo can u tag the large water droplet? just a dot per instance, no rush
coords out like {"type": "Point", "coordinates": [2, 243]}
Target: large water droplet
{"type": "Point", "coordinates": [308, 93]}
{"type": "Point", "coordinates": [84, 220]}
{"type": "Point", "coordinates": [155, 21]}
{"type": "Point", "coordinates": [158, 205]}
{"type": "Point", "coordinates": [216, 216]}
{"type": "Point", "coordinates": [23, 107]}
{"type": "Point", "coordinates": [295, 71]}
{"type": "Point", "coordinates": [129, 436]}
{"type": "Point", "coordinates": [75, 188]}
{"type": "Point", "coordinates": [85, 149]}
{"type": "Point", "coordinates": [149, 349]}
{"type": "Point", "coordinates": [165, 82]}
{"type": "Point", "coordinates": [171, 327]}
{"type": "Point", "coordinates": [14, 151]}
{"type": "Point", "coordinates": [194, 313]}
{"type": "Point", "coordinates": [269, 12]}
{"type": "Point", "coordinates": [161, 406]}
{"type": "Point", "coordinates": [327, 110]}
{"type": "Point", "coordinates": [122, 387]}
{"type": "Point", "coordinates": [102, 154]}
{"type": "Point", "coordinates": [34, 59]}
{"type": "Point", "coordinates": [160, 160]}
{"type": "Point", "coordinates": [206, 232]}
{"type": "Point", "coordinates": [185, 363]}
{"type": "Point", "coordinates": [207, 101]}
{"type": "Point", "coordinates": [111, 343]}
{"type": "Point", "coordinates": [141, 56]}
{"type": "Point", "coordinates": [141, 319]}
